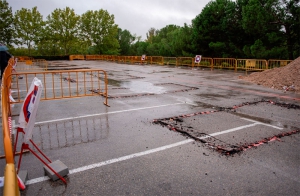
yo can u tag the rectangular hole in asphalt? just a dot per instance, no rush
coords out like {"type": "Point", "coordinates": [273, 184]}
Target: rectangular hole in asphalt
{"type": "Point", "coordinates": [245, 134]}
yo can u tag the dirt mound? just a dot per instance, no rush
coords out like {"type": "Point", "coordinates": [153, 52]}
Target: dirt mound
{"type": "Point", "coordinates": [284, 78]}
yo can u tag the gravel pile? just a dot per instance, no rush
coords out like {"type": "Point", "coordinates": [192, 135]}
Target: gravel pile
{"type": "Point", "coordinates": [284, 78]}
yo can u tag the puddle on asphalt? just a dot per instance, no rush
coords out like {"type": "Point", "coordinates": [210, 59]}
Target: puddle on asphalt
{"type": "Point", "coordinates": [70, 68]}
{"type": "Point", "coordinates": [114, 82]}
{"type": "Point", "coordinates": [140, 87]}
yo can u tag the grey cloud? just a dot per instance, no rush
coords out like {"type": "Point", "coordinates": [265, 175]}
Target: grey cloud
{"type": "Point", "coordinates": [137, 16]}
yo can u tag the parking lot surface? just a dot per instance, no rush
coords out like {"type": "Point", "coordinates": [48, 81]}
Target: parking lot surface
{"type": "Point", "coordinates": [168, 131]}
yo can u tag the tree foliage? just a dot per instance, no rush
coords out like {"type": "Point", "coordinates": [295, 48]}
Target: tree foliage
{"type": "Point", "coordinates": [223, 28]}
{"type": "Point", "coordinates": [62, 25]}
{"type": "Point", "coordinates": [6, 22]}
{"type": "Point", "coordinates": [125, 39]}
{"type": "Point", "coordinates": [98, 28]}
{"type": "Point", "coordinates": [28, 27]}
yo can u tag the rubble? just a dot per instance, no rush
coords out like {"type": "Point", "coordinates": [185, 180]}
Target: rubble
{"type": "Point", "coordinates": [284, 78]}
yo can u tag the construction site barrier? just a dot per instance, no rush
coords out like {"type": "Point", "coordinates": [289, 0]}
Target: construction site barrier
{"type": "Point", "coordinates": [41, 63]}
{"type": "Point", "coordinates": [224, 63]}
{"type": "Point", "coordinates": [93, 57]}
{"type": "Point", "coordinates": [205, 62]}
{"type": "Point", "coordinates": [273, 63]}
{"type": "Point", "coordinates": [10, 175]}
{"type": "Point", "coordinates": [23, 58]}
{"type": "Point", "coordinates": [62, 84]}
{"type": "Point", "coordinates": [108, 58]}
{"type": "Point", "coordinates": [36, 65]}
{"type": "Point", "coordinates": [138, 60]}
{"type": "Point", "coordinates": [121, 59]}
{"type": "Point", "coordinates": [252, 64]}
{"type": "Point", "coordinates": [135, 59]}
{"type": "Point", "coordinates": [185, 61]}
{"type": "Point", "coordinates": [169, 61]}
{"type": "Point", "coordinates": [213, 63]}
{"type": "Point", "coordinates": [76, 57]}
{"type": "Point", "coordinates": [57, 85]}
{"type": "Point", "coordinates": [158, 60]}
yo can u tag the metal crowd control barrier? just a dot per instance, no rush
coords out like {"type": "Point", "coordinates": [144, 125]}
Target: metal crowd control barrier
{"type": "Point", "coordinates": [272, 63]}
{"type": "Point", "coordinates": [57, 85]}
{"type": "Point", "coordinates": [185, 61]}
{"type": "Point", "coordinates": [127, 59]}
{"type": "Point", "coordinates": [62, 84]}
{"type": "Point", "coordinates": [77, 57]}
{"type": "Point", "coordinates": [122, 59]}
{"type": "Point", "coordinates": [205, 62]}
{"type": "Point", "coordinates": [23, 58]}
{"type": "Point", "coordinates": [224, 63]}
{"type": "Point", "coordinates": [158, 60]}
{"type": "Point", "coordinates": [10, 175]}
{"type": "Point", "coordinates": [147, 60]}
{"type": "Point", "coordinates": [252, 64]}
{"type": "Point", "coordinates": [40, 65]}
{"type": "Point", "coordinates": [169, 60]}
{"type": "Point", "coordinates": [221, 63]}
{"type": "Point", "coordinates": [93, 57]}
{"type": "Point", "coordinates": [135, 59]}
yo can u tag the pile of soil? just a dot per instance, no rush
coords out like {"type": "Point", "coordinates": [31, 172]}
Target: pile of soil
{"type": "Point", "coordinates": [284, 78]}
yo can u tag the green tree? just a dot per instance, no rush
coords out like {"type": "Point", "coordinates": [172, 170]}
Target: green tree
{"type": "Point", "coordinates": [28, 26]}
{"type": "Point", "coordinates": [275, 23]}
{"type": "Point", "coordinates": [160, 41]}
{"type": "Point", "coordinates": [139, 48]}
{"type": "Point", "coordinates": [6, 22]}
{"type": "Point", "coordinates": [62, 27]}
{"type": "Point", "coordinates": [99, 30]}
{"type": "Point", "coordinates": [125, 39]}
{"type": "Point", "coordinates": [152, 32]}
{"type": "Point", "coordinates": [180, 41]}
{"type": "Point", "coordinates": [216, 31]}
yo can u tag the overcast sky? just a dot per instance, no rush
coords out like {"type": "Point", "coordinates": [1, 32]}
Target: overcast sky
{"type": "Point", "coordinates": [137, 16]}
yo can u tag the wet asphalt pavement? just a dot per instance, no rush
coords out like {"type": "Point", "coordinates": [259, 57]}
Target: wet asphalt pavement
{"type": "Point", "coordinates": [168, 131]}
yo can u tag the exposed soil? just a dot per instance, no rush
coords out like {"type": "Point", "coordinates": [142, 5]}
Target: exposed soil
{"type": "Point", "coordinates": [284, 78]}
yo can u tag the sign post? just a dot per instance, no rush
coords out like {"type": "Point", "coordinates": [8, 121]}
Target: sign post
{"type": "Point", "coordinates": [198, 59]}
{"type": "Point", "coordinates": [143, 58]}
{"type": "Point", "coordinates": [27, 121]}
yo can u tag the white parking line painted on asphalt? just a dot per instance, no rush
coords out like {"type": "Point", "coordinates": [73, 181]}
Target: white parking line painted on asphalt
{"type": "Point", "coordinates": [275, 127]}
{"type": "Point", "coordinates": [58, 88]}
{"type": "Point", "coordinates": [99, 114]}
{"type": "Point", "coordinates": [139, 154]}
